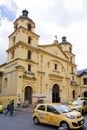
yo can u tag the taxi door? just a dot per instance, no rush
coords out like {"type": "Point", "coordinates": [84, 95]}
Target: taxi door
{"type": "Point", "coordinates": [40, 113]}
{"type": "Point", "coordinates": [52, 116]}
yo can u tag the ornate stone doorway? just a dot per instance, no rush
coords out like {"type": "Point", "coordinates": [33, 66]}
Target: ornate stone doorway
{"type": "Point", "coordinates": [28, 94]}
{"type": "Point", "coordinates": [55, 94]}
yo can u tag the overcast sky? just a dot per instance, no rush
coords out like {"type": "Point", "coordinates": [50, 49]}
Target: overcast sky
{"type": "Point", "coordinates": [52, 17]}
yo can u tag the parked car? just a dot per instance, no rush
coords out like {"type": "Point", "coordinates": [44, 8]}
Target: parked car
{"type": "Point", "coordinates": [79, 105]}
{"type": "Point", "coordinates": [82, 98]}
{"type": "Point", "coordinates": [1, 108]}
{"type": "Point", "coordinates": [59, 115]}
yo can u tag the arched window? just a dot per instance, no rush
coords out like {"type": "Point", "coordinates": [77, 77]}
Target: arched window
{"type": "Point", "coordinates": [55, 66]}
{"type": "Point", "coordinates": [70, 49]}
{"type": "Point", "coordinates": [16, 26]}
{"type": "Point", "coordinates": [73, 94]}
{"type": "Point", "coordinates": [71, 59]}
{"type": "Point", "coordinates": [5, 82]}
{"type": "Point", "coordinates": [14, 39]}
{"type": "Point", "coordinates": [72, 70]}
{"type": "Point", "coordinates": [29, 55]}
{"type": "Point", "coordinates": [29, 40]}
{"type": "Point", "coordinates": [29, 27]}
{"type": "Point", "coordinates": [29, 67]}
{"type": "Point", "coordinates": [12, 55]}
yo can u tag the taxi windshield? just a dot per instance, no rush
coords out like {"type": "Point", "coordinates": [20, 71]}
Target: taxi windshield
{"type": "Point", "coordinates": [78, 103]}
{"type": "Point", "coordinates": [63, 108]}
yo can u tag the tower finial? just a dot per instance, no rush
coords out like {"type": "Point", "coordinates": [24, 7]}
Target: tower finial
{"type": "Point", "coordinates": [56, 37]}
{"type": "Point", "coordinates": [63, 39]}
{"type": "Point", "coordinates": [25, 13]}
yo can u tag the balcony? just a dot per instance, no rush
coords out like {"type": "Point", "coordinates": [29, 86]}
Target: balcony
{"type": "Point", "coordinates": [73, 83]}
{"type": "Point", "coordinates": [28, 74]}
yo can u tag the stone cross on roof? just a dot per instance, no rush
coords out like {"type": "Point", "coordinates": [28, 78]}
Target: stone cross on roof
{"type": "Point", "coordinates": [56, 37]}
{"type": "Point", "coordinates": [56, 41]}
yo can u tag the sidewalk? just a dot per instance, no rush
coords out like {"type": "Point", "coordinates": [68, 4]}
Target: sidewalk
{"type": "Point", "coordinates": [28, 109]}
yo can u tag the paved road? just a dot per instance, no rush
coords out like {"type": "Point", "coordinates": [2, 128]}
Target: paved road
{"type": "Point", "coordinates": [22, 120]}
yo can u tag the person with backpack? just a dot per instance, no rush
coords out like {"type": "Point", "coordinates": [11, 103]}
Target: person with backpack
{"type": "Point", "coordinates": [10, 108]}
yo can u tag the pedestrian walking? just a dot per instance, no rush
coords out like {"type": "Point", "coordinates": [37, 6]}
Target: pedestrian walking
{"type": "Point", "coordinates": [18, 103]}
{"type": "Point", "coordinates": [10, 108]}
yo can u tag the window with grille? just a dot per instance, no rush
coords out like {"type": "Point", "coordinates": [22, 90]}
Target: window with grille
{"type": "Point", "coordinates": [84, 80]}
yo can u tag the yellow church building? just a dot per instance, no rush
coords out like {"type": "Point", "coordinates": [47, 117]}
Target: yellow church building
{"type": "Point", "coordinates": [37, 69]}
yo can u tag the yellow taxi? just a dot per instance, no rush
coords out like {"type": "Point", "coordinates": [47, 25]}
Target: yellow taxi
{"type": "Point", "coordinates": [81, 98]}
{"type": "Point", "coordinates": [1, 108]}
{"type": "Point", "coordinates": [59, 115]}
{"type": "Point", "coordinates": [79, 105]}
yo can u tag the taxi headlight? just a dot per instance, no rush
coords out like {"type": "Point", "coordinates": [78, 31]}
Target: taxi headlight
{"type": "Point", "coordinates": [70, 116]}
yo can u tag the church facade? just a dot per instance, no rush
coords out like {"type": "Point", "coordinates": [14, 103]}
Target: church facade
{"type": "Point", "coordinates": [37, 69]}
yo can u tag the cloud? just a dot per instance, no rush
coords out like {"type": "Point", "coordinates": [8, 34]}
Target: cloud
{"type": "Point", "coordinates": [5, 13]}
{"type": "Point", "coordinates": [9, 4]}
{"type": "Point", "coordinates": [6, 27]}
{"type": "Point", "coordinates": [8, 10]}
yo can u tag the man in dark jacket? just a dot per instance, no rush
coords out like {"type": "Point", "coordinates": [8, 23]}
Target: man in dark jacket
{"type": "Point", "coordinates": [10, 108]}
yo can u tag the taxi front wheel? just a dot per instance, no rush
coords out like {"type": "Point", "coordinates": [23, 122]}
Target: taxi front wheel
{"type": "Point", "coordinates": [35, 120]}
{"type": "Point", "coordinates": [64, 125]}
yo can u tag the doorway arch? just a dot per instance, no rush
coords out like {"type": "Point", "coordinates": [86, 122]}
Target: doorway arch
{"type": "Point", "coordinates": [28, 94]}
{"type": "Point", "coordinates": [55, 94]}
{"type": "Point", "coordinates": [85, 94]}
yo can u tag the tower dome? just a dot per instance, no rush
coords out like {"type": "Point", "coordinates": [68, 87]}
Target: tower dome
{"type": "Point", "coordinates": [25, 16]}
{"type": "Point", "coordinates": [25, 13]}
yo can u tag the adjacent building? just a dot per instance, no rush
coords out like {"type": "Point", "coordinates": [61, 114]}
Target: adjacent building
{"type": "Point", "coordinates": [32, 68]}
{"type": "Point", "coordinates": [82, 81]}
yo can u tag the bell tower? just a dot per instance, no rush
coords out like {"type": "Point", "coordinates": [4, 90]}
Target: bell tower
{"type": "Point", "coordinates": [22, 38]}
